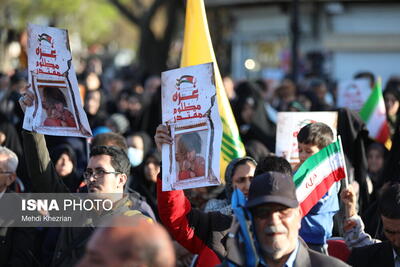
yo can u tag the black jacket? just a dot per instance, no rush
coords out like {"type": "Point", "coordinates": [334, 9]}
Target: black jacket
{"type": "Point", "coordinates": [17, 244]}
{"type": "Point", "coordinates": [380, 254]}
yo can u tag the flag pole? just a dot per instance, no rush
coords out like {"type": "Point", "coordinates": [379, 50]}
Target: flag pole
{"type": "Point", "coordinates": [346, 178]}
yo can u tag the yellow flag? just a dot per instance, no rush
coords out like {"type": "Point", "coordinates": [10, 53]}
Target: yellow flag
{"type": "Point", "coordinates": [198, 49]}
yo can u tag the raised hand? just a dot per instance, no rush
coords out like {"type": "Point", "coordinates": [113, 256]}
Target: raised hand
{"type": "Point", "coordinates": [27, 98]}
{"type": "Point", "coordinates": [349, 199]}
{"type": "Point", "coordinates": [162, 136]}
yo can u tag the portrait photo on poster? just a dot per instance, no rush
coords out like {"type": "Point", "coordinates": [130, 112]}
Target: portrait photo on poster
{"type": "Point", "coordinates": [190, 151]}
{"type": "Point", "coordinates": [190, 110]}
{"type": "Point", "coordinates": [57, 111]}
{"type": "Point", "coordinates": [57, 108]}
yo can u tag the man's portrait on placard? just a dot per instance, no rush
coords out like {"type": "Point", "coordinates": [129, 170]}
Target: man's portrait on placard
{"type": "Point", "coordinates": [190, 155]}
{"type": "Point", "coordinates": [56, 109]}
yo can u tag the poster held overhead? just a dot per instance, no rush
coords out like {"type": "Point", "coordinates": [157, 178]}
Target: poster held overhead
{"type": "Point", "coordinates": [190, 111]}
{"type": "Point", "coordinates": [353, 94]}
{"type": "Point", "coordinates": [57, 109]}
{"type": "Point", "coordinates": [197, 49]}
{"type": "Point", "coordinates": [289, 125]}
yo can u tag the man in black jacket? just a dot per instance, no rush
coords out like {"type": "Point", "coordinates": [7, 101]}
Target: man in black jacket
{"type": "Point", "coordinates": [386, 253]}
{"type": "Point", "coordinates": [16, 244]}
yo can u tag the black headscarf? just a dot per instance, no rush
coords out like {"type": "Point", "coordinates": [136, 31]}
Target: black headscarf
{"type": "Point", "coordinates": [230, 169]}
{"type": "Point", "coordinates": [261, 127]}
{"type": "Point", "coordinates": [72, 180]}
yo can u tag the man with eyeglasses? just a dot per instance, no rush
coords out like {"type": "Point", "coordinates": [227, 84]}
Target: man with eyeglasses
{"type": "Point", "coordinates": [106, 174]}
{"type": "Point", "coordinates": [16, 244]}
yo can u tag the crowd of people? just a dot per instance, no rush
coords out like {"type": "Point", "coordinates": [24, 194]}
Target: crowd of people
{"type": "Point", "coordinates": [358, 224]}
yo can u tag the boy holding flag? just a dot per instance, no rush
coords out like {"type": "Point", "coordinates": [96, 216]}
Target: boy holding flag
{"type": "Point", "coordinates": [321, 166]}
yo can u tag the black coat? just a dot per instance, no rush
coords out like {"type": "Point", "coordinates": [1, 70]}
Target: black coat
{"type": "Point", "coordinates": [17, 244]}
{"type": "Point", "coordinates": [380, 254]}
{"type": "Point", "coordinates": [354, 136]}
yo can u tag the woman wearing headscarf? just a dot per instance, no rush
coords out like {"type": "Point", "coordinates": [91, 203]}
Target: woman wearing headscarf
{"type": "Point", "coordinates": [251, 116]}
{"type": "Point", "coordinates": [145, 178]}
{"type": "Point", "coordinates": [238, 174]}
{"type": "Point", "coordinates": [392, 103]}
{"type": "Point", "coordinates": [64, 160]}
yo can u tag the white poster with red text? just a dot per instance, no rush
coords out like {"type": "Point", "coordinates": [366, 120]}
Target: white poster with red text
{"type": "Point", "coordinates": [57, 108]}
{"type": "Point", "coordinates": [190, 111]}
{"type": "Point", "coordinates": [289, 125]}
{"type": "Point", "coordinates": [353, 94]}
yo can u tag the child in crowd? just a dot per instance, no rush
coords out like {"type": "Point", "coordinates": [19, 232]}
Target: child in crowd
{"type": "Point", "coordinates": [190, 164]}
{"type": "Point", "coordinates": [317, 225]}
{"type": "Point", "coordinates": [55, 105]}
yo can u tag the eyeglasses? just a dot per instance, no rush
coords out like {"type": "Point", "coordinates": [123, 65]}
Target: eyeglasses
{"type": "Point", "coordinates": [97, 174]}
{"type": "Point", "coordinates": [266, 212]}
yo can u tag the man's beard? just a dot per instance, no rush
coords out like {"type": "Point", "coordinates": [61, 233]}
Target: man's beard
{"type": "Point", "coordinates": [274, 251]}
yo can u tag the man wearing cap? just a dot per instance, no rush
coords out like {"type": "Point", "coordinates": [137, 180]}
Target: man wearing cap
{"type": "Point", "coordinates": [276, 217]}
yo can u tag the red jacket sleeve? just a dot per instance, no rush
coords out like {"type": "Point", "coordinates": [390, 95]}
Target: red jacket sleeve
{"type": "Point", "coordinates": [173, 208]}
{"type": "Point", "coordinates": [192, 228]}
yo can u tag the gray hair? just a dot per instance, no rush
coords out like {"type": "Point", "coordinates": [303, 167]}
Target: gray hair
{"type": "Point", "coordinates": [12, 161]}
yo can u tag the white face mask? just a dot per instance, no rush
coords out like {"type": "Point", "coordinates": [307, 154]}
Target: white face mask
{"type": "Point", "coordinates": [135, 156]}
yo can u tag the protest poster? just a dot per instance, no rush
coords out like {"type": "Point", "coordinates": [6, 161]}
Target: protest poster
{"type": "Point", "coordinates": [57, 109]}
{"type": "Point", "coordinates": [353, 94]}
{"type": "Point", "coordinates": [190, 111]}
{"type": "Point", "coordinates": [289, 125]}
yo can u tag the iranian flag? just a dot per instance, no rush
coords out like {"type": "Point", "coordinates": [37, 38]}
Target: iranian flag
{"type": "Point", "coordinates": [317, 174]}
{"type": "Point", "coordinates": [373, 113]}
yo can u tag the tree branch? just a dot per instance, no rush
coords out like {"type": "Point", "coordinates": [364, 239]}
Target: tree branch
{"type": "Point", "coordinates": [139, 4]}
{"type": "Point", "coordinates": [172, 10]}
{"type": "Point", "coordinates": [125, 12]}
{"type": "Point", "coordinates": [152, 10]}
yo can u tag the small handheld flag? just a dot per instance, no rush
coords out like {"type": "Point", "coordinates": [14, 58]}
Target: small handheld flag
{"type": "Point", "coordinates": [317, 174]}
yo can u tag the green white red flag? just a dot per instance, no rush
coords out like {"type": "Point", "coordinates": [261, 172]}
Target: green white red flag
{"type": "Point", "coordinates": [317, 174]}
{"type": "Point", "coordinates": [373, 113]}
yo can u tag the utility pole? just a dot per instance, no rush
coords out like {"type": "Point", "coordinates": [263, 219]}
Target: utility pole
{"type": "Point", "coordinates": [295, 36]}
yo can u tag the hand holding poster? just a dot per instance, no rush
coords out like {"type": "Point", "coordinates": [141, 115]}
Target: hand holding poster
{"type": "Point", "coordinates": [57, 109]}
{"type": "Point", "coordinates": [190, 111]}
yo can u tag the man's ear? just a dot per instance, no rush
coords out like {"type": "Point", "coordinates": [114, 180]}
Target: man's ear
{"type": "Point", "coordinates": [299, 215]}
{"type": "Point", "coordinates": [122, 180]}
{"type": "Point", "coordinates": [300, 212]}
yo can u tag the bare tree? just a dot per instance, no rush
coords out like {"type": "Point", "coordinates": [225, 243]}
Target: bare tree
{"type": "Point", "coordinates": [153, 49]}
